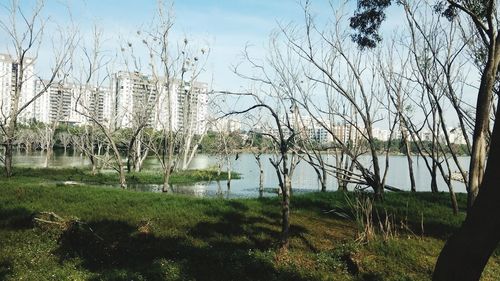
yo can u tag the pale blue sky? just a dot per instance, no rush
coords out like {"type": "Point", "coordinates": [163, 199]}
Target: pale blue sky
{"type": "Point", "coordinates": [226, 25]}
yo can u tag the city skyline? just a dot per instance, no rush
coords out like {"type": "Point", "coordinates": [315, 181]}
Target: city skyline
{"type": "Point", "coordinates": [130, 99]}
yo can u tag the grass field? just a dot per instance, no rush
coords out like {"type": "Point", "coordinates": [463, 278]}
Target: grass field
{"type": "Point", "coordinates": [49, 176]}
{"type": "Point", "coordinates": [111, 234]}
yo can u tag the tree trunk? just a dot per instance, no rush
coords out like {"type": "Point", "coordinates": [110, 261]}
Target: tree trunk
{"type": "Point", "coordinates": [228, 172]}
{"type": "Point", "coordinates": [466, 253]}
{"type": "Point", "coordinates": [168, 148]}
{"type": "Point", "coordinates": [323, 178]}
{"type": "Point", "coordinates": [48, 154]}
{"type": "Point", "coordinates": [129, 159]}
{"type": "Point", "coordinates": [447, 179]}
{"type": "Point", "coordinates": [434, 188]}
{"type": "Point", "coordinates": [406, 143]}
{"type": "Point", "coordinates": [8, 157]}
{"type": "Point", "coordinates": [167, 169]}
{"type": "Point", "coordinates": [261, 176]}
{"type": "Point", "coordinates": [166, 178]}
{"type": "Point", "coordinates": [93, 162]}
{"type": "Point", "coordinates": [123, 181]}
{"type": "Point", "coordinates": [377, 185]}
{"type": "Point", "coordinates": [285, 212]}
{"type": "Point", "coordinates": [481, 128]}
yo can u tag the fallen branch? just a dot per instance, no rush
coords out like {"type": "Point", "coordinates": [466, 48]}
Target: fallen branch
{"type": "Point", "coordinates": [44, 219]}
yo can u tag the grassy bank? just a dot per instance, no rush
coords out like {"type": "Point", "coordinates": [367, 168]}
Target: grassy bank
{"type": "Point", "coordinates": [124, 235]}
{"type": "Point", "coordinates": [51, 175]}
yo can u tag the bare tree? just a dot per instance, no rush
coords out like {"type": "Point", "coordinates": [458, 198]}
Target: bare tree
{"type": "Point", "coordinates": [285, 159]}
{"type": "Point", "coordinates": [65, 139]}
{"type": "Point", "coordinates": [394, 84]}
{"type": "Point", "coordinates": [323, 54]}
{"type": "Point", "coordinates": [94, 73]}
{"type": "Point", "coordinates": [174, 74]}
{"type": "Point", "coordinates": [275, 100]}
{"type": "Point", "coordinates": [26, 31]}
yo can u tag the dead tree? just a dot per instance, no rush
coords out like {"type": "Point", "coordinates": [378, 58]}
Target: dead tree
{"type": "Point", "coordinates": [95, 69]}
{"type": "Point", "coordinates": [26, 37]}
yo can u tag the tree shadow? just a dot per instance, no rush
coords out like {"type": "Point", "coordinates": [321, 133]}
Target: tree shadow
{"type": "Point", "coordinates": [220, 248]}
{"type": "Point", "coordinates": [5, 269]}
{"type": "Point", "coordinates": [16, 218]}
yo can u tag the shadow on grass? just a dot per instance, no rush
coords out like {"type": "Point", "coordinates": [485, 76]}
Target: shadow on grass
{"type": "Point", "coordinates": [410, 208]}
{"type": "Point", "coordinates": [5, 269]}
{"type": "Point", "coordinates": [16, 218]}
{"type": "Point", "coordinates": [221, 248]}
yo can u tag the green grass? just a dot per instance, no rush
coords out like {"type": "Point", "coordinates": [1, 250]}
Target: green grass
{"type": "Point", "coordinates": [129, 235]}
{"type": "Point", "coordinates": [51, 175]}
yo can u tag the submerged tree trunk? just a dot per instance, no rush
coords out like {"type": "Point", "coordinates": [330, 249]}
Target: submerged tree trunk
{"type": "Point", "coordinates": [377, 181]}
{"type": "Point", "coordinates": [48, 155]}
{"type": "Point", "coordinates": [323, 178]}
{"type": "Point", "coordinates": [466, 253]}
{"type": "Point", "coordinates": [434, 187]}
{"type": "Point", "coordinates": [261, 175]}
{"type": "Point", "coordinates": [406, 144]}
{"type": "Point", "coordinates": [228, 163]}
{"type": "Point", "coordinates": [166, 179]}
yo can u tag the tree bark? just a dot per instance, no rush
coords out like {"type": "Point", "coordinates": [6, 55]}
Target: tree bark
{"type": "Point", "coordinates": [478, 154]}
{"type": "Point", "coordinates": [285, 212]}
{"type": "Point", "coordinates": [466, 253]}
{"type": "Point", "coordinates": [228, 172]}
{"type": "Point", "coordinates": [166, 186]}
{"type": "Point", "coordinates": [323, 178]}
{"type": "Point", "coordinates": [8, 157]}
{"type": "Point", "coordinates": [261, 175]}
{"type": "Point", "coordinates": [167, 167]}
{"type": "Point", "coordinates": [434, 188]}
{"type": "Point", "coordinates": [413, 187]}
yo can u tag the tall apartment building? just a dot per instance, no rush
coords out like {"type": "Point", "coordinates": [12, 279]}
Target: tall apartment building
{"type": "Point", "coordinates": [91, 103]}
{"type": "Point", "coordinates": [54, 105]}
{"type": "Point", "coordinates": [139, 98]}
{"type": "Point", "coordinates": [65, 103]}
{"type": "Point", "coordinates": [312, 130]}
{"type": "Point", "coordinates": [225, 125]}
{"type": "Point", "coordinates": [132, 98]}
{"type": "Point", "coordinates": [9, 75]}
{"type": "Point", "coordinates": [135, 97]}
{"type": "Point", "coordinates": [192, 104]}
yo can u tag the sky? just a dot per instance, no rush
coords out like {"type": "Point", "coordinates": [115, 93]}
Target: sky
{"type": "Point", "coordinates": [225, 26]}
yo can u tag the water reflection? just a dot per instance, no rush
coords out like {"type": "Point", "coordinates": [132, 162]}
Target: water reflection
{"type": "Point", "coordinates": [304, 179]}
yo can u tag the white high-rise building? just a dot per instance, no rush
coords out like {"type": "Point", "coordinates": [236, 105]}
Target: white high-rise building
{"type": "Point", "coordinates": [192, 102]}
{"type": "Point", "coordinates": [139, 98]}
{"type": "Point", "coordinates": [167, 106]}
{"type": "Point", "coordinates": [225, 125]}
{"type": "Point", "coordinates": [70, 103]}
{"type": "Point", "coordinates": [135, 98]}
{"type": "Point", "coordinates": [9, 75]}
{"type": "Point", "coordinates": [92, 103]}
{"type": "Point", "coordinates": [54, 105]}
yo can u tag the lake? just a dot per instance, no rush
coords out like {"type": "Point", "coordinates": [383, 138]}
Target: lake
{"type": "Point", "coordinates": [304, 178]}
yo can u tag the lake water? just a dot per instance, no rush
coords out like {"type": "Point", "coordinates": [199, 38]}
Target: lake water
{"type": "Point", "coordinates": [304, 178]}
